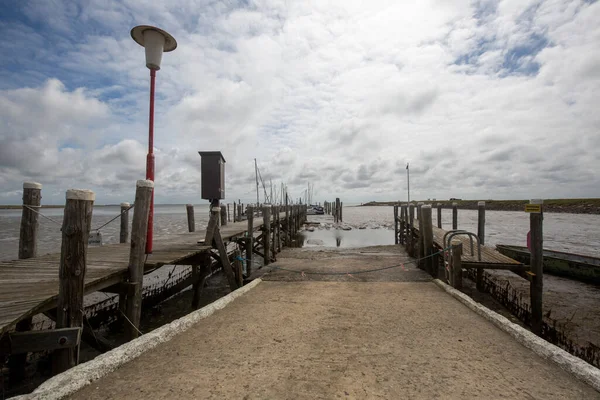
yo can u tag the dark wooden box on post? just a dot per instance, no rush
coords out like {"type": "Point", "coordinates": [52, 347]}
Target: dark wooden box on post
{"type": "Point", "coordinates": [212, 169]}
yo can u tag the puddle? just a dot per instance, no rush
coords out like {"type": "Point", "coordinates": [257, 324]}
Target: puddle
{"type": "Point", "coordinates": [346, 239]}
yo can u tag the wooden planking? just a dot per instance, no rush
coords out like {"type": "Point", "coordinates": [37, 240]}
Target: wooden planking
{"type": "Point", "coordinates": [489, 255]}
{"type": "Point", "coordinates": [30, 286]}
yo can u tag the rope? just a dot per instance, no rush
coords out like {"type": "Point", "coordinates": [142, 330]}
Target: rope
{"type": "Point", "coordinates": [121, 213]}
{"type": "Point", "coordinates": [39, 213]}
{"type": "Point", "coordinates": [123, 314]}
{"type": "Point", "coordinates": [359, 272]}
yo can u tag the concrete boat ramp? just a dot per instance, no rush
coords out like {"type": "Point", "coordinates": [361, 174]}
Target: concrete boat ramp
{"type": "Point", "coordinates": [334, 332]}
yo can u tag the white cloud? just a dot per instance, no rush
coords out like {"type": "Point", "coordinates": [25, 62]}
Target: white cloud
{"type": "Point", "coordinates": [485, 99]}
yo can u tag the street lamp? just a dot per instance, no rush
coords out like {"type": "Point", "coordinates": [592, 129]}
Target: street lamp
{"type": "Point", "coordinates": [155, 41]}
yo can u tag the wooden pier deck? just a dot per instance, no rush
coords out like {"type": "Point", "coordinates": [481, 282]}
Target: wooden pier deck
{"type": "Point", "coordinates": [490, 257]}
{"type": "Point", "coordinates": [30, 286]}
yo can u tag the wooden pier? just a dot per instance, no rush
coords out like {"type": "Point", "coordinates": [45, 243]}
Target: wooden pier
{"type": "Point", "coordinates": [461, 250]}
{"type": "Point", "coordinates": [35, 284]}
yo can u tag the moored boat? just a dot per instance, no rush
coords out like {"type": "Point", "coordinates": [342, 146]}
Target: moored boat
{"type": "Point", "coordinates": [568, 265]}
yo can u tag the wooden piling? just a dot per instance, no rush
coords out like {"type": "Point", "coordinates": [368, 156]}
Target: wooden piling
{"type": "Point", "coordinates": [337, 210]}
{"type": "Point", "coordinates": [537, 265]}
{"type": "Point", "coordinates": [420, 244]}
{"type": "Point", "coordinates": [274, 232]}
{"type": "Point", "coordinates": [427, 234]}
{"type": "Point", "coordinates": [238, 267]}
{"type": "Point", "coordinates": [266, 234]}
{"type": "Point", "coordinates": [456, 273]}
{"type": "Point", "coordinates": [32, 199]}
{"type": "Point", "coordinates": [411, 236]}
{"type": "Point", "coordinates": [73, 261]}
{"type": "Point", "coordinates": [223, 215]}
{"type": "Point", "coordinates": [137, 257]}
{"type": "Point", "coordinates": [403, 218]}
{"type": "Point", "coordinates": [234, 212]}
{"type": "Point", "coordinates": [341, 211]}
{"type": "Point", "coordinates": [228, 214]}
{"type": "Point", "coordinates": [190, 217]}
{"type": "Point", "coordinates": [439, 216]}
{"type": "Point", "coordinates": [395, 224]}
{"type": "Point", "coordinates": [124, 232]}
{"type": "Point", "coordinates": [454, 216]}
{"type": "Point", "coordinates": [278, 229]}
{"type": "Point", "coordinates": [481, 236]}
{"type": "Point", "coordinates": [249, 240]}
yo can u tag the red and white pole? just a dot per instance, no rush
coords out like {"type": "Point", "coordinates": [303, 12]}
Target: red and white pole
{"type": "Point", "coordinates": [150, 162]}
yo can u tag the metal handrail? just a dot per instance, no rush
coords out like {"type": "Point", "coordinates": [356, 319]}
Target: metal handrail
{"type": "Point", "coordinates": [471, 236]}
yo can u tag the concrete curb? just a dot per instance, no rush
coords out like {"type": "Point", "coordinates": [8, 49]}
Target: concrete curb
{"type": "Point", "coordinates": [576, 366]}
{"type": "Point", "coordinates": [70, 381]}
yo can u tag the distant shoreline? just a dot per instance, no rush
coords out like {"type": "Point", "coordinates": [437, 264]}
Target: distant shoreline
{"type": "Point", "coordinates": [572, 206]}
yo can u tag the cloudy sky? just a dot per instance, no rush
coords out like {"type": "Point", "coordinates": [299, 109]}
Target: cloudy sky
{"type": "Point", "coordinates": [485, 99]}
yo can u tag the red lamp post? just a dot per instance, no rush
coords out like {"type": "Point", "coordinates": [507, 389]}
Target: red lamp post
{"type": "Point", "coordinates": [155, 41]}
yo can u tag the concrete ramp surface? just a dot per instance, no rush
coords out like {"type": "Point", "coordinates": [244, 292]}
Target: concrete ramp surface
{"type": "Point", "coordinates": [354, 340]}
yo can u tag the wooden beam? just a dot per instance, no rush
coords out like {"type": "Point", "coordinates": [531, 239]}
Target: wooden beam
{"type": "Point", "coordinates": [225, 259]}
{"type": "Point", "coordinates": [44, 340]}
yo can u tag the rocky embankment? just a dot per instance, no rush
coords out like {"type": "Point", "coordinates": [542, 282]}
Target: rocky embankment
{"type": "Point", "coordinates": [573, 206]}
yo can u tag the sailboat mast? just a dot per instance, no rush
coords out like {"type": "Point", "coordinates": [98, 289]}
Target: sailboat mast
{"type": "Point", "coordinates": [256, 174]}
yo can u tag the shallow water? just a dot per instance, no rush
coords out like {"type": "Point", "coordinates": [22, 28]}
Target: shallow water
{"type": "Point", "coordinates": [575, 233]}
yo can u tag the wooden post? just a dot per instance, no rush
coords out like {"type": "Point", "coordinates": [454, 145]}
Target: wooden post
{"type": "Point", "coordinates": [266, 234]}
{"type": "Point", "coordinates": [403, 219]}
{"type": "Point", "coordinates": [395, 224]}
{"type": "Point", "coordinates": [274, 231]}
{"type": "Point", "coordinates": [239, 213]}
{"type": "Point", "coordinates": [124, 232]}
{"type": "Point", "coordinates": [341, 211]}
{"type": "Point", "coordinates": [421, 247]}
{"type": "Point", "coordinates": [439, 216]}
{"type": "Point", "coordinates": [456, 273]}
{"type": "Point", "coordinates": [278, 225]}
{"type": "Point", "coordinates": [190, 217]}
{"type": "Point", "coordinates": [537, 266]}
{"type": "Point", "coordinates": [137, 257]}
{"type": "Point", "coordinates": [481, 236]}
{"type": "Point", "coordinates": [73, 261]}
{"type": "Point", "coordinates": [454, 216]}
{"type": "Point", "coordinates": [249, 240]}
{"type": "Point", "coordinates": [32, 198]}
{"type": "Point", "coordinates": [411, 237]}
{"type": "Point", "coordinates": [427, 234]}
{"type": "Point", "coordinates": [337, 210]}
{"type": "Point", "coordinates": [228, 214]}
{"type": "Point", "coordinates": [223, 215]}
{"type": "Point", "coordinates": [288, 235]}
{"type": "Point", "coordinates": [238, 267]}
{"type": "Point", "coordinates": [234, 212]}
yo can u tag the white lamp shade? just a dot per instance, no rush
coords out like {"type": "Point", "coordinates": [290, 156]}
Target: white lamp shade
{"type": "Point", "coordinates": [154, 43]}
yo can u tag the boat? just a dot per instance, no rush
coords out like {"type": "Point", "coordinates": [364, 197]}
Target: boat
{"type": "Point", "coordinates": [573, 266]}
{"type": "Point", "coordinates": [315, 210]}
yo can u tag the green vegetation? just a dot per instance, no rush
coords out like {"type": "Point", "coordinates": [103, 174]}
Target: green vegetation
{"type": "Point", "coordinates": [576, 206]}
